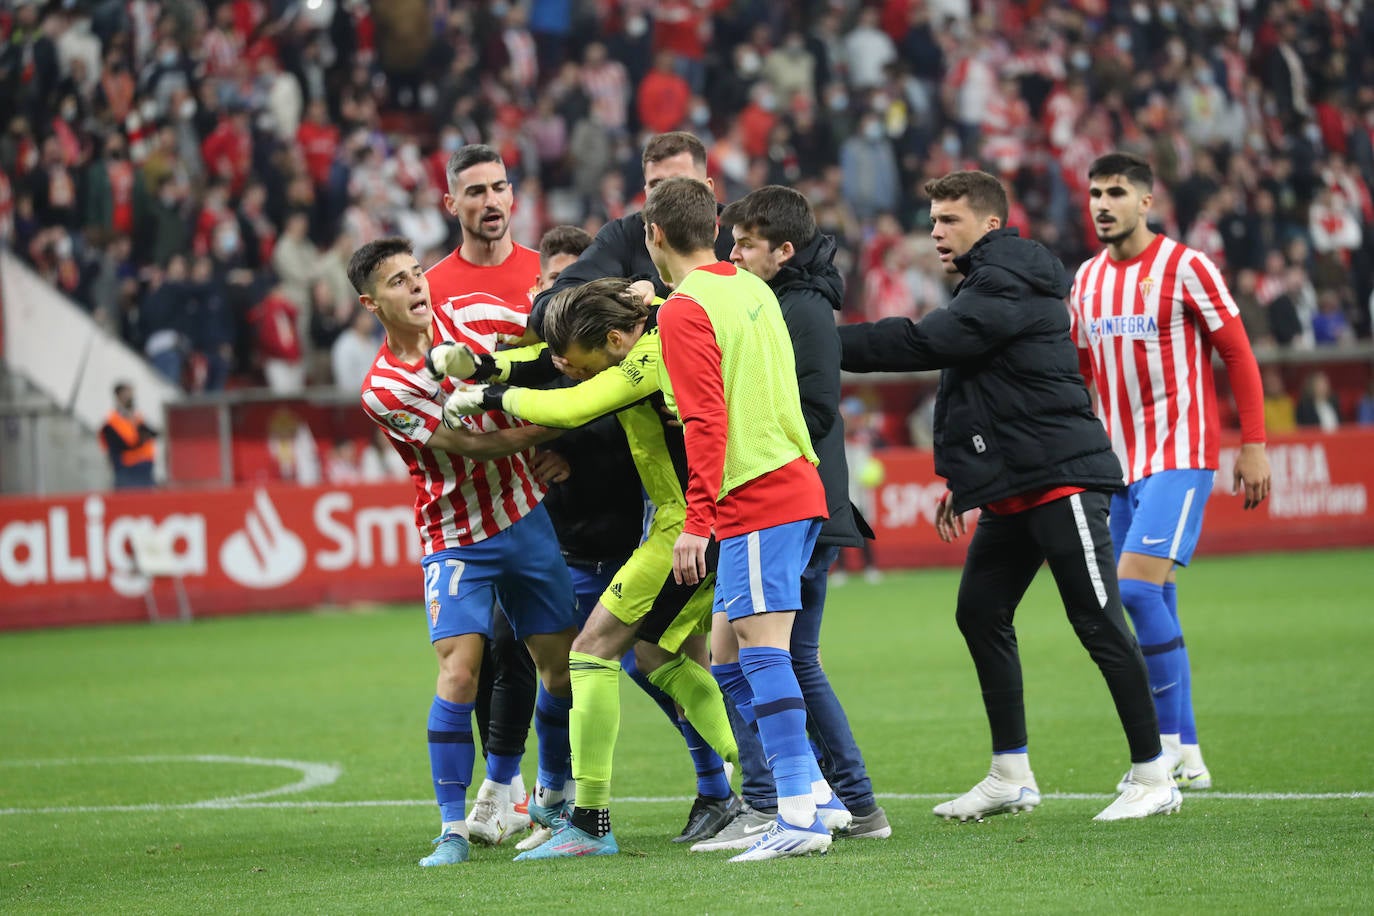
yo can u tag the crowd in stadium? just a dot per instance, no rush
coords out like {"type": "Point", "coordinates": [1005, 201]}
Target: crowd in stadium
{"type": "Point", "coordinates": [195, 174]}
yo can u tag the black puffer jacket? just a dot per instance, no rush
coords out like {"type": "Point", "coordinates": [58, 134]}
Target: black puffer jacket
{"type": "Point", "coordinates": [617, 251]}
{"type": "Point", "coordinates": [810, 289]}
{"type": "Point", "coordinates": [1012, 415]}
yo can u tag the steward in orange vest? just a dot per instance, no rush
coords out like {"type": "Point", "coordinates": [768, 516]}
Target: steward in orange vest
{"type": "Point", "coordinates": [129, 442]}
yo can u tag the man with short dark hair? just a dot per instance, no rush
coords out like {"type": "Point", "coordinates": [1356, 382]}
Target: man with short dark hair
{"type": "Point", "coordinates": [488, 279]}
{"type": "Point", "coordinates": [618, 250]}
{"type": "Point", "coordinates": [488, 260]}
{"type": "Point", "coordinates": [1148, 312]}
{"type": "Point", "coordinates": [1015, 434]}
{"type": "Point", "coordinates": [752, 481]}
{"type": "Point", "coordinates": [776, 240]}
{"type": "Point", "coordinates": [559, 249]}
{"type": "Point", "coordinates": [128, 441]}
{"type": "Point", "coordinates": [484, 531]}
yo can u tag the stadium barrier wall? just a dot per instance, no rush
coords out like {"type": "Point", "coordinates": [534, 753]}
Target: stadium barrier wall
{"type": "Point", "coordinates": [70, 559]}
{"type": "Point", "coordinates": [1321, 488]}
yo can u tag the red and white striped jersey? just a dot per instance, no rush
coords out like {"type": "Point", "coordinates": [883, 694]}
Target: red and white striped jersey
{"type": "Point", "coordinates": [513, 281]}
{"type": "Point", "coordinates": [1148, 324]}
{"type": "Point", "coordinates": [458, 501]}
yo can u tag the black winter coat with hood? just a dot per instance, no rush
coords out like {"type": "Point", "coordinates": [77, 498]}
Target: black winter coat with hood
{"type": "Point", "coordinates": [810, 290]}
{"type": "Point", "coordinates": [1012, 414]}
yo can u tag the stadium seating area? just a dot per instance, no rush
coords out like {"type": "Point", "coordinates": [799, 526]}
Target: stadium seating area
{"type": "Point", "coordinates": [196, 174]}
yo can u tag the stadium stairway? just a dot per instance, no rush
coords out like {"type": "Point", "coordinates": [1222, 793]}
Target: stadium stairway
{"type": "Point", "coordinates": [57, 380]}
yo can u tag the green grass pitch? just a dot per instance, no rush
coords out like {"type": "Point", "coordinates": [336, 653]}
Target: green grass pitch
{"type": "Point", "coordinates": [119, 747]}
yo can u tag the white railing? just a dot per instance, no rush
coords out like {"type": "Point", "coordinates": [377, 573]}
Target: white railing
{"type": "Point", "coordinates": [67, 356]}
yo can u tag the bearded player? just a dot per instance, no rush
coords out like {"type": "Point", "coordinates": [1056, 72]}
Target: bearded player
{"type": "Point", "coordinates": [1148, 313]}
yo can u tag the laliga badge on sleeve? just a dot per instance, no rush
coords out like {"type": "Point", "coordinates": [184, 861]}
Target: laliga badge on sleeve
{"type": "Point", "coordinates": [404, 422]}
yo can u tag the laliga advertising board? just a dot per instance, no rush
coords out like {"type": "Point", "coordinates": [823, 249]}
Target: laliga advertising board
{"type": "Point", "coordinates": [73, 559]}
{"type": "Point", "coordinates": [1321, 498]}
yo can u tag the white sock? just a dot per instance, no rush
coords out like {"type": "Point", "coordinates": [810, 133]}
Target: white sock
{"type": "Point", "coordinates": [1192, 756]}
{"type": "Point", "coordinates": [458, 827]}
{"type": "Point", "coordinates": [545, 797]}
{"type": "Point", "coordinates": [497, 791]}
{"type": "Point", "coordinates": [797, 810]}
{"type": "Point", "coordinates": [570, 790]}
{"type": "Point", "coordinates": [1171, 746]}
{"type": "Point", "coordinates": [821, 792]}
{"type": "Point", "coordinates": [517, 789]}
{"type": "Point", "coordinates": [1012, 767]}
{"type": "Point", "coordinates": [1153, 772]}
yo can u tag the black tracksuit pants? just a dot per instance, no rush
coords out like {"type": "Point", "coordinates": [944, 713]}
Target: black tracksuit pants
{"type": "Point", "coordinates": [506, 688]}
{"type": "Point", "coordinates": [1003, 557]}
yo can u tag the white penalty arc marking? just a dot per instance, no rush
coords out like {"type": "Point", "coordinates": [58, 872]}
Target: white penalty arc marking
{"type": "Point", "coordinates": [313, 776]}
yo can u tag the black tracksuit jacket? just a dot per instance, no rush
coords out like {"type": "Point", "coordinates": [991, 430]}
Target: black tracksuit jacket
{"type": "Point", "coordinates": [1012, 414]}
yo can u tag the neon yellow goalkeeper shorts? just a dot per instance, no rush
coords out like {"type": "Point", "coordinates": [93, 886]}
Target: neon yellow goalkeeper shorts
{"type": "Point", "coordinates": [644, 596]}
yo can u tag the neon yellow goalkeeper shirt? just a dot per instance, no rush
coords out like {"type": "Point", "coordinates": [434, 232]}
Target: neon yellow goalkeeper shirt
{"type": "Point", "coordinates": [632, 389]}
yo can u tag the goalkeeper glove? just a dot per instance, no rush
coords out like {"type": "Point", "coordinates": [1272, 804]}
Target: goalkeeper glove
{"type": "Point", "coordinates": [469, 401]}
{"type": "Point", "coordinates": [458, 361]}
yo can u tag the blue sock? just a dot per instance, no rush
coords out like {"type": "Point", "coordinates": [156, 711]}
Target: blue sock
{"type": "Point", "coordinates": [1161, 642]}
{"type": "Point", "coordinates": [1023, 749]}
{"type": "Point", "coordinates": [1187, 725]}
{"type": "Point", "coordinates": [781, 717]}
{"type": "Point", "coordinates": [711, 781]}
{"type": "Point", "coordinates": [732, 680]}
{"type": "Point", "coordinates": [451, 755]}
{"type": "Point", "coordinates": [630, 666]}
{"type": "Point", "coordinates": [709, 767]}
{"type": "Point", "coordinates": [551, 726]}
{"type": "Point", "coordinates": [501, 768]}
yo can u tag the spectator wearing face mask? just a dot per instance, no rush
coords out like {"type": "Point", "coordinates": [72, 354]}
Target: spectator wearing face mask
{"type": "Point", "coordinates": [871, 181]}
{"type": "Point", "coordinates": [318, 140]}
{"type": "Point", "coordinates": [663, 97]}
{"type": "Point", "coordinates": [757, 119]}
{"type": "Point", "coordinates": [791, 70]}
{"type": "Point", "coordinates": [867, 50]}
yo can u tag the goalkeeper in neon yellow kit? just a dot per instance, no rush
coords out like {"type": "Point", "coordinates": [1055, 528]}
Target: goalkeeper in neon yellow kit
{"type": "Point", "coordinates": [606, 335]}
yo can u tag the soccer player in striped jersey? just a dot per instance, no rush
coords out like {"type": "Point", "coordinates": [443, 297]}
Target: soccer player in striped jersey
{"type": "Point", "coordinates": [752, 481]}
{"type": "Point", "coordinates": [484, 532]}
{"type": "Point", "coordinates": [605, 333]}
{"type": "Point", "coordinates": [490, 262]}
{"type": "Point", "coordinates": [1148, 313]}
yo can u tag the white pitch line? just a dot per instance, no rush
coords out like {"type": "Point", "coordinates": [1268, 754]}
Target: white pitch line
{"type": "Point", "coordinates": [230, 804]}
{"type": "Point", "coordinates": [313, 776]}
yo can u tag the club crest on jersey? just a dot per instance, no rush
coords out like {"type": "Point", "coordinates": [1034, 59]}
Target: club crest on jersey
{"type": "Point", "coordinates": [1145, 286]}
{"type": "Point", "coordinates": [434, 612]}
{"type": "Point", "coordinates": [404, 422]}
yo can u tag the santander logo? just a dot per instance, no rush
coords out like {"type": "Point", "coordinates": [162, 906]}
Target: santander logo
{"type": "Point", "coordinates": [265, 553]}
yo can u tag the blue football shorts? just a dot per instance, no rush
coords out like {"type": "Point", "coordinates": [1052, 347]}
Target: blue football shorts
{"type": "Point", "coordinates": [1161, 515]}
{"type": "Point", "coordinates": [588, 583]}
{"type": "Point", "coordinates": [519, 567]}
{"type": "Point", "coordinates": [760, 571]}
